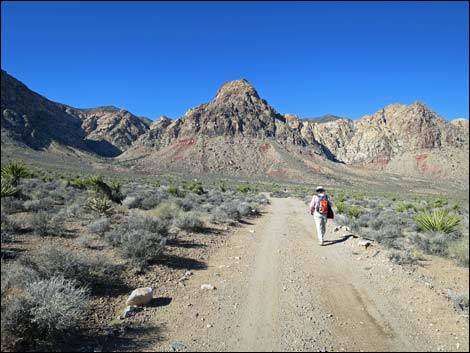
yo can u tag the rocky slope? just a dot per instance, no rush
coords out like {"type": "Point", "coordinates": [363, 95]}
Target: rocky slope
{"type": "Point", "coordinates": [32, 120]}
{"type": "Point", "coordinates": [117, 126]}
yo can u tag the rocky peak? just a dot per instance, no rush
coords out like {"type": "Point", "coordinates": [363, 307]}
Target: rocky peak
{"type": "Point", "coordinates": [237, 89]}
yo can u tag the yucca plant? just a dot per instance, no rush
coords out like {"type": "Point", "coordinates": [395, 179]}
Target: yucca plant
{"type": "Point", "coordinates": [14, 171]}
{"type": "Point", "coordinates": [439, 220]}
{"type": "Point", "coordinates": [340, 208]}
{"type": "Point", "coordinates": [94, 183]}
{"type": "Point", "coordinates": [100, 204]}
{"type": "Point", "coordinates": [7, 188]}
{"type": "Point", "coordinates": [354, 212]}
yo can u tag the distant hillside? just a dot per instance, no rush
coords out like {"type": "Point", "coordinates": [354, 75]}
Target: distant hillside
{"type": "Point", "coordinates": [31, 119]}
{"type": "Point", "coordinates": [323, 119]}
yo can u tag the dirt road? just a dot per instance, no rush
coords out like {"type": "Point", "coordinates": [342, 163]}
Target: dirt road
{"type": "Point", "coordinates": [278, 290]}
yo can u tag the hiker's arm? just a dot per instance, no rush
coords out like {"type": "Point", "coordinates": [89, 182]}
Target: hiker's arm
{"type": "Point", "coordinates": [312, 205]}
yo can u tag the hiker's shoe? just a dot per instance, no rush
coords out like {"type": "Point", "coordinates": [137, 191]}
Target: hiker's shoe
{"type": "Point", "coordinates": [321, 243]}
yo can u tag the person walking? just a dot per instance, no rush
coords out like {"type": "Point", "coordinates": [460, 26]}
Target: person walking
{"type": "Point", "coordinates": [321, 209]}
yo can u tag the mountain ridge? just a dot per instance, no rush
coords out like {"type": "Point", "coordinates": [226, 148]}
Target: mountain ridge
{"type": "Point", "coordinates": [207, 136]}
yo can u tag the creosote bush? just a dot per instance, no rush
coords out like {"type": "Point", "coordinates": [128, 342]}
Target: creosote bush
{"type": "Point", "coordinates": [43, 314]}
{"type": "Point", "coordinates": [189, 221]}
{"type": "Point", "coordinates": [44, 223]}
{"type": "Point", "coordinates": [139, 238]}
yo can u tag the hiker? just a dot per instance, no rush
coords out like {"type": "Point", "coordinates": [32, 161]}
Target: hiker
{"type": "Point", "coordinates": [321, 209]}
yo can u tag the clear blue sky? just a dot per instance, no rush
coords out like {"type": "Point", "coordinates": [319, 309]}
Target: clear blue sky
{"type": "Point", "coordinates": [305, 58]}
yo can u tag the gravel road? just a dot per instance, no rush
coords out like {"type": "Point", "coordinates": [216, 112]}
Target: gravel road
{"type": "Point", "coordinates": [276, 289]}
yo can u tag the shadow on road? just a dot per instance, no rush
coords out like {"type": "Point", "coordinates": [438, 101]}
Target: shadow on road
{"type": "Point", "coordinates": [181, 263]}
{"type": "Point", "coordinates": [340, 240]}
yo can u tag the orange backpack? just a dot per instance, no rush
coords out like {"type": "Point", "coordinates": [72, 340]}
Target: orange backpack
{"type": "Point", "coordinates": [323, 205]}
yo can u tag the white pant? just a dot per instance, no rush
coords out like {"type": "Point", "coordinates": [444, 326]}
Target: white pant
{"type": "Point", "coordinates": [320, 223]}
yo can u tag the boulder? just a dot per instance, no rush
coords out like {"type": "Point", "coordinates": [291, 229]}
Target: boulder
{"type": "Point", "coordinates": [140, 296]}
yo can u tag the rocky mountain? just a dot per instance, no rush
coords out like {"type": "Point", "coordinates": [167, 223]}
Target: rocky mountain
{"type": "Point", "coordinates": [31, 119]}
{"type": "Point", "coordinates": [239, 133]}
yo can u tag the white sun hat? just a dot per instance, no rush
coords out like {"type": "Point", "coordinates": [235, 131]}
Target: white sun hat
{"type": "Point", "coordinates": [320, 188]}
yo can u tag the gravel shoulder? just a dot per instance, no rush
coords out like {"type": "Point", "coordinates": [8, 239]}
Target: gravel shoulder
{"type": "Point", "coordinates": [276, 289]}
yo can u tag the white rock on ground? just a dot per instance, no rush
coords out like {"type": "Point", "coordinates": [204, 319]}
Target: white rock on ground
{"type": "Point", "coordinates": [207, 287]}
{"type": "Point", "coordinates": [140, 296]}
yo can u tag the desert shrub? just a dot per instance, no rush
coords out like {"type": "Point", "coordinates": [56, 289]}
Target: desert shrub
{"type": "Point", "coordinates": [388, 235]}
{"type": "Point", "coordinates": [139, 238]}
{"type": "Point", "coordinates": [215, 198]}
{"type": "Point", "coordinates": [365, 220]}
{"type": "Point", "coordinates": [99, 226]}
{"type": "Point", "coordinates": [153, 199]}
{"type": "Point", "coordinates": [173, 190]}
{"type": "Point", "coordinates": [44, 223]}
{"type": "Point", "coordinates": [49, 261]}
{"type": "Point", "coordinates": [341, 198]}
{"type": "Point", "coordinates": [100, 204]}
{"type": "Point", "coordinates": [74, 209]}
{"type": "Point", "coordinates": [439, 220]}
{"type": "Point", "coordinates": [439, 202]}
{"type": "Point", "coordinates": [405, 207]}
{"type": "Point", "coordinates": [15, 275]}
{"type": "Point", "coordinates": [33, 205]}
{"type": "Point", "coordinates": [244, 209]}
{"type": "Point", "coordinates": [131, 202]}
{"type": "Point", "coordinates": [166, 210]}
{"type": "Point", "coordinates": [8, 188]}
{"type": "Point", "coordinates": [231, 209]}
{"type": "Point", "coordinates": [189, 221]}
{"type": "Point", "coordinates": [340, 208]}
{"type": "Point", "coordinates": [195, 186]}
{"type": "Point", "coordinates": [436, 243]}
{"type": "Point", "coordinates": [402, 258]}
{"type": "Point", "coordinates": [245, 188]}
{"type": "Point", "coordinates": [191, 201]}
{"type": "Point", "coordinates": [14, 171]}
{"type": "Point", "coordinates": [9, 224]}
{"type": "Point", "coordinates": [459, 250]}
{"type": "Point", "coordinates": [44, 313]}
{"type": "Point", "coordinates": [353, 212]}
{"type": "Point", "coordinates": [11, 205]}
{"type": "Point", "coordinates": [219, 216]}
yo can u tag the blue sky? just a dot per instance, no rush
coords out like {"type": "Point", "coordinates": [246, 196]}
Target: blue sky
{"type": "Point", "coordinates": [305, 58]}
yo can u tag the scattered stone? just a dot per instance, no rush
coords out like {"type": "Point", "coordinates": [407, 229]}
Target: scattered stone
{"type": "Point", "coordinates": [140, 296]}
{"type": "Point", "coordinates": [209, 325]}
{"type": "Point", "coordinates": [176, 347]}
{"type": "Point", "coordinates": [365, 243]}
{"type": "Point", "coordinates": [336, 229]}
{"type": "Point", "coordinates": [252, 231]}
{"type": "Point", "coordinates": [207, 287]}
